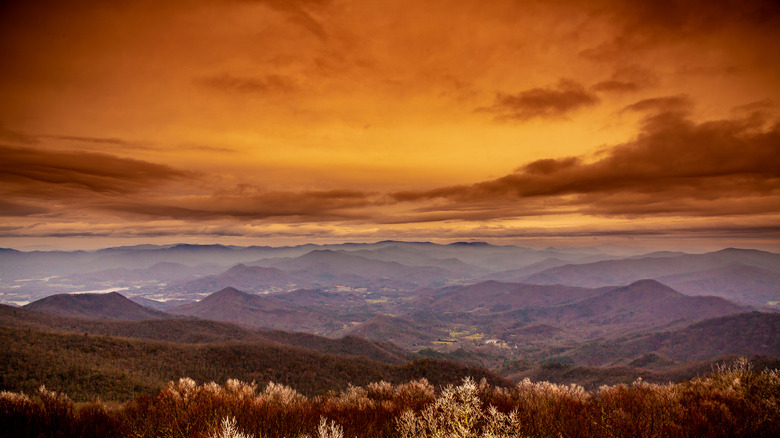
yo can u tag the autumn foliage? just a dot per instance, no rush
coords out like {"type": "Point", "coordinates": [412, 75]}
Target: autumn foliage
{"type": "Point", "coordinates": [734, 401]}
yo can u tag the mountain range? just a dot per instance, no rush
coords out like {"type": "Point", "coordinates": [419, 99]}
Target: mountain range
{"type": "Point", "coordinates": [606, 314]}
{"type": "Point", "coordinates": [747, 276]}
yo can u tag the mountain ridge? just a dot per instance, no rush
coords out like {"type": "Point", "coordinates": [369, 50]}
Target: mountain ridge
{"type": "Point", "coordinates": [109, 305]}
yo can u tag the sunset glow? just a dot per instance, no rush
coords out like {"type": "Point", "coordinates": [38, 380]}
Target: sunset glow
{"type": "Point", "coordinates": [280, 122]}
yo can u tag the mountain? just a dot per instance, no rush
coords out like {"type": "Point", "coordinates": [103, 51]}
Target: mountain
{"type": "Point", "coordinates": [111, 305]}
{"type": "Point", "coordinates": [114, 279]}
{"type": "Point", "coordinates": [494, 296]}
{"type": "Point", "coordinates": [625, 271]}
{"type": "Point", "coordinates": [38, 264]}
{"type": "Point", "coordinates": [173, 329]}
{"type": "Point", "coordinates": [538, 319]}
{"type": "Point", "coordinates": [500, 258]}
{"type": "Point", "coordinates": [166, 272]}
{"type": "Point", "coordinates": [87, 367]}
{"type": "Point", "coordinates": [329, 268]}
{"type": "Point", "coordinates": [199, 331]}
{"type": "Point", "coordinates": [157, 271]}
{"type": "Point", "coordinates": [160, 305]}
{"type": "Point", "coordinates": [399, 331]}
{"type": "Point", "coordinates": [752, 333]}
{"type": "Point", "coordinates": [410, 255]}
{"type": "Point", "coordinates": [248, 278]}
{"type": "Point", "coordinates": [738, 282]}
{"type": "Point", "coordinates": [346, 305]}
{"type": "Point", "coordinates": [349, 345]}
{"type": "Point", "coordinates": [519, 274]}
{"type": "Point", "coordinates": [255, 311]}
{"type": "Point", "coordinates": [643, 304]}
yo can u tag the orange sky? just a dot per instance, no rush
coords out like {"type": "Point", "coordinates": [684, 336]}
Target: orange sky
{"type": "Point", "coordinates": [270, 121]}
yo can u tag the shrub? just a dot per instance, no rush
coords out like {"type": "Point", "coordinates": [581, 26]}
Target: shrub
{"type": "Point", "coordinates": [229, 430]}
{"type": "Point", "coordinates": [458, 413]}
{"type": "Point", "coordinates": [734, 401]}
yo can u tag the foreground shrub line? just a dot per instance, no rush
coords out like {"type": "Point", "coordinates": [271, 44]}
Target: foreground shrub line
{"type": "Point", "coordinates": [734, 401]}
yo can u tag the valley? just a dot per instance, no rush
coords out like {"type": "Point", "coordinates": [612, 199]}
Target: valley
{"type": "Point", "coordinates": [586, 314]}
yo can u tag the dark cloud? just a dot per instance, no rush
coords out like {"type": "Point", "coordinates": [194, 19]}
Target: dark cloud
{"type": "Point", "coordinates": [290, 206]}
{"type": "Point", "coordinates": [683, 204]}
{"type": "Point", "coordinates": [13, 208]}
{"type": "Point", "coordinates": [549, 166]}
{"type": "Point", "coordinates": [96, 140]}
{"type": "Point", "coordinates": [298, 12]}
{"type": "Point", "coordinates": [43, 173]}
{"type": "Point", "coordinates": [769, 231]}
{"type": "Point", "coordinates": [12, 136]}
{"type": "Point", "coordinates": [35, 181]}
{"type": "Point", "coordinates": [552, 102]}
{"type": "Point", "coordinates": [689, 16]}
{"type": "Point", "coordinates": [674, 166]}
{"type": "Point", "coordinates": [665, 104]}
{"type": "Point", "coordinates": [646, 24]}
{"type": "Point", "coordinates": [207, 148]}
{"type": "Point", "coordinates": [760, 106]}
{"type": "Point", "coordinates": [261, 85]}
{"type": "Point", "coordinates": [627, 80]}
{"type": "Point", "coordinates": [759, 111]}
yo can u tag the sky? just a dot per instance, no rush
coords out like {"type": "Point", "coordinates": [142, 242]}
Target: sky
{"type": "Point", "coordinates": [554, 122]}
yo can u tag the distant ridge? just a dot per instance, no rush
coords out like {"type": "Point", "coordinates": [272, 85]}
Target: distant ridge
{"type": "Point", "coordinates": [498, 296]}
{"type": "Point", "coordinates": [752, 333]}
{"type": "Point", "coordinates": [327, 266]}
{"type": "Point", "coordinates": [89, 305]}
{"type": "Point", "coordinates": [625, 271]}
{"type": "Point", "coordinates": [200, 331]}
{"type": "Point", "coordinates": [241, 276]}
{"type": "Point", "coordinates": [742, 283]}
{"type": "Point", "coordinates": [649, 302]}
{"type": "Point", "coordinates": [519, 274]}
{"type": "Point", "coordinates": [640, 292]}
{"type": "Point", "coordinates": [253, 311]}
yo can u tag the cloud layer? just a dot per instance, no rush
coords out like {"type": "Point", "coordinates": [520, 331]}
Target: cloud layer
{"type": "Point", "coordinates": [550, 102]}
{"type": "Point", "coordinates": [38, 173]}
{"type": "Point", "coordinates": [389, 119]}
{"type": "Point", "coordinates": [673, 167]}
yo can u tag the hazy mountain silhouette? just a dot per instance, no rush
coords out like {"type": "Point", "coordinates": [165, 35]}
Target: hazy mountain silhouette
{"type": "Point", "coordinates": [738, 282]}
{"type": "Point", "coordinates": [255, 311]}
{"type": "Point", "coordinates": [520, 274]}
{"type": "Point", "coordinates": [328, 267]}
{"type": "Point", "coordinates": [110, 305]}
{"type": "Point", "coordinates": [625, 271]}
{"type": "Point", "coordinates": [167, 272]}
{"type": "Point", "coordinates": [642, 304]}
{"type": "Point", "coordinates": [494, 296]}
{"type": "Point", "coordinates": [411, 256]}
{"type": "Point", "coordinates": [247, 278]}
